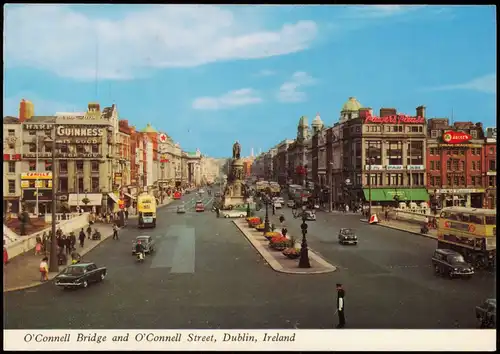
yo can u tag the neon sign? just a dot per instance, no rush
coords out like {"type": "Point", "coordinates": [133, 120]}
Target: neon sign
{"type": "Point", "coordinates": [393, 119]}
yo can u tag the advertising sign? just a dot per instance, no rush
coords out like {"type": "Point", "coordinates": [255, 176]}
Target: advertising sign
{"type": "Point", "coordinates": [118, 178]}
{"type": "Point", "coordinates": [36, 175]}
{"type": "Point", "coordinates": [451, 137]}
{"type": "Point", "coordinates": [415, 167]}
{"type": "Point", "coordinates": [491, 133]}
{"type": "Point", "coordinates": [394, 119]}
{"type": "Point", "coordinates": [162, 137]}
{"type": "Point", "coordinates": [373, 167]}
{"type": "Point", "coordinates": [394, 167]}
{"type": "Point", "coordinates": [44, 194]}
{"type": "Point", "coordinates": [84, 131]}
{"type": "Point", "coordinates": [31, 126]}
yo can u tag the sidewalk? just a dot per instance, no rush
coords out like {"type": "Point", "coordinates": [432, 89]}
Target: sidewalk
{"type": "Point", "coordinates": [22, 271]}
{"type": "Point", "coordinates": [276, 259]}
{"type": "Point", "coordinates": [406, 227]}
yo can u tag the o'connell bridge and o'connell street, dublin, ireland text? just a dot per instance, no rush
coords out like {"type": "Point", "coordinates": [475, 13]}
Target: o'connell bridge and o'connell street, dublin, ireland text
{"type": "Point", "coordinates": [178, 177]}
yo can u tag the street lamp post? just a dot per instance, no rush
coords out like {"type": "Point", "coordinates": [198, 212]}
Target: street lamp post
{"type": "Point", "coordinates": [304, 249]}
{"type": "Point", "coordinates": [370, 161]}
{"type": "Point", "coordinates": [267, 227]}
{"type": "Point", "coordinates": [53, 263]}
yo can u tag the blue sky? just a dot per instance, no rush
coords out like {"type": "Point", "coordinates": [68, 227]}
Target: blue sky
{"type": "Point", "coordinates": [211, 75]}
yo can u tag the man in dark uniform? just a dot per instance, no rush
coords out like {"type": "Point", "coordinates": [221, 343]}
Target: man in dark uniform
{"type": "Point", "coordinates": [340, 305]}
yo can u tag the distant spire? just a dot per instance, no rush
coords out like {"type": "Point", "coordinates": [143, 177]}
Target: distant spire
{"type": "Point", "coordinates": [251, 154]}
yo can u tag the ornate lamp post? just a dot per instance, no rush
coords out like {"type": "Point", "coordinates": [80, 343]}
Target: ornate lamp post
{"type": "Point", "coordinates": [267, 201]}
{"type": "Point", "coordinates": [370, 161]}
{"type": "Point", "coordinates": [304, 249]}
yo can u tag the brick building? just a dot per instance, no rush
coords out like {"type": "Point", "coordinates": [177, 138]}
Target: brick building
{"type": "Point", "coordinates": [456, 163]}
{"type": "Point", "coordinates": [490, 168]}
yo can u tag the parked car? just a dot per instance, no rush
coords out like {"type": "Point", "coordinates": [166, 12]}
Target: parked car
{"type": "Point", "coordinates": [310, 215]}
{"type": "Point", "coordinates": [80, 275]}
{"type": "Point", "coordinates": [181, 209]}
{"type": "Point", "coordinates": [199, 207]}
{"type": "Point", "coordinates": [280, 200]}
{"type": "Point", "coordinates": [233, 213]}
{"type": "Point", "coordinates": [277, 205]}
{"type": "Point", "coordinates": [147, 241]}
{"type": "Point", "coordinates": [290, 203]}
{"type": "Point", "coordinates": [201, 191]}
{"type": "Point", "coordinates": [486, 313]}
{"type": "Point", "coordinates": [451, 263]}
{"type": "Point", "coordinates": [347, 237]}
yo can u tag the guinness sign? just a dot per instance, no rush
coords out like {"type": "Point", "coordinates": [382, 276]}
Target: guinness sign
{"type": "Point", "coordinates": [77, 132]}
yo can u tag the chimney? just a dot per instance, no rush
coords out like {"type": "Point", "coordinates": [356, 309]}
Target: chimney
{"type": "Point", "coordinates": [385, 112]}
{"type": "Point", "coordinates": [364, 112]}
{"type": "Point", "coordinates": [421, 111]}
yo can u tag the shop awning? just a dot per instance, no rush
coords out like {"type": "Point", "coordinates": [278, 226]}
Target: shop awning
{"type": "Point", "coordinates": [76, 199]}
{"type": "Point", "coordinates": [113, 197]}
{"type": "Point", "coordinates": [129, 195]}
{"type": "Point", "coordinates": [405, 194]}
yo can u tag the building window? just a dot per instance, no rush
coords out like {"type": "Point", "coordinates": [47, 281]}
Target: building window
{"type": "Point", "coordinates": [95, 184]}
{"type": "Point", "coordinates": [63, 167]}
{"type": "Point", "coordinates": [492, 151]}
{"type": "Point", "coordinates": [415, 152]}
{"type": "Point", "coordinates": [473, 165]}
{"type": "Point", "coordinates": [374, 150]}
{"type": "Point", "coordinates": [432, 165]}
{"type": "Point", "coordinates": [473, 133]}
{"type": "Point", "coordinates": [448, 165]}
{"type": "Point", "coordinates": [11, 132]}
{"type": "Point", "coordinates": [455, 180]}
{"type": "Point", "coordinates": [415, 129]}
{"type": "Point", "coordinates": [64, 148]}
{"type": "Point", "coordinates": [48, 133]}
{"type": "Point", "coordinates": [94, 166]}
{"type": "Point", "coordinates": [63, 184]}
{"type": "Point", "coordinates": [32, 132]}
{"type": "Point", "coordinates": [395, 128]}
{"type": "Point", "coordinates": [79, 166]}
{"type": "Point", "coordinates": [95, 149]}
{"type": "Point", "coordinates": [32, 148]}
{"type": "Point", "coordinates": [12, 167]}
{"type": "Point", "coordinates": [455, 164]}
{"type": "Point", "coordinates": [358, 129]}
{"type": "Point", "coordinates": [80, 149]}
{"type": "Point", "coordinates": [48, 148]}
{"type": "Point", "coordinates": [31, 184]}
{"type": "Point", "coordinates": [358, 179]}
{"type": "Point", "coordinates": [438, 165]}
{"type": "Point", "coordinates": [492, 165]}
{"type": "Point", "coordinates": [462, 165]}
{"type": "Point", "coordinates": [462, 152]}
{"type": "Point", "coordinates": [448, 181]}
{"type": "Point", "coordinates": [32, 166]}
{"type": "Point", "coordinates": [462, 180]}
{"type": "Point", "coordinates": [48, 165]}
{"type": "Point", "coordinates": [395, 153]}
{"type": "Point", "coordinates": [12, 186]}
{"type": "Point", "coordinates": [491, 181]}
{"type": "Point", "coordinates": [438, 181]}
{"type": "Point", "coordinates": [80, 185]}
{"type": "Point", "coordinates": [434, 134]}
{"type": "Point", "coordinates": [454, 152]}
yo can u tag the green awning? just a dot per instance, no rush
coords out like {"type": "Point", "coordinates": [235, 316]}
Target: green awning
{"type": "Point", "coordinates": [405, 194]}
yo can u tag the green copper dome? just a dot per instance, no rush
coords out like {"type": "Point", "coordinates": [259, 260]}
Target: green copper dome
{"type": "Point", "coordinates": [149, 129]}
{"type": "Point", "coordinates": [352, 105]}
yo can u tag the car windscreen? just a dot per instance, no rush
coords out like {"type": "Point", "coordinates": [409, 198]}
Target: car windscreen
{"type": "Point", "coordinates": [142, 239]}
{"type": "Point", "coordinates": [74, 271]}
{"type": "Point", "coordinates": [348, 232]}
{"type": "Point", "coordinates": [456, 259]}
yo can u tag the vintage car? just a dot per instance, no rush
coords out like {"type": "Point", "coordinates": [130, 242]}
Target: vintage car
{"type": "Point", "coordinates": [199, 207]}
{"type": "Point", "coordinates": [347, 237]}
{"type": "Point", "coordinates": [181, 209]}
{"type": "Point", "coordinates": [277, 205]}
{"type": "Point", "coordinates": [310, 215]}
{"type": "Point", "coordinates": [451, 263]}
{"type": "Point", "coordinates": [233, 214]}
{"type": "Point", "coordinates": [80, 275]}
{"type": "Point", "coordinates": [486, 313]}
{"type": "Point", "coordinates": [177, 195]}
{"type": "Point", "coordinates": [147, 241]}
{"type": "Point", "coordinates": [290, 203]}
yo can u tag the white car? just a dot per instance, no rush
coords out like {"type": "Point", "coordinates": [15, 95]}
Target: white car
{"type": "Point", "coordinates": [310, 216]}
{"type": "Point", "coordinates": [290, 203]}
{"type": "Point", "coordinates": [277, 205]}
{"type": "Point", "coordinates": [280, 200]}
{"type": "Point", "coordinates": [233, 213]}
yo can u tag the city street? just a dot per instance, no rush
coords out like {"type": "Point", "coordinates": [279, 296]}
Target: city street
{"type": "Point", "coordinates": [204, 274]}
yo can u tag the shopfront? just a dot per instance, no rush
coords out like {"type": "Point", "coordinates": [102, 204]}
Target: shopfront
{"type": "Point", "coordinates": [392, 196]}
{"type": "Point", "coordinates": [463, 197]}
{"type": "Point", "coordinates": [94, 201]}
{"type": "Point", "coordinates": [31, 182]}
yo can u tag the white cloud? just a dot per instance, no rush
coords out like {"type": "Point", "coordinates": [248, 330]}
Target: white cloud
{"type": "Point", "coordinates": [486, 84]}
{"type": "Point", "coordinates": [61, 40]}
{"type": "Point", "coordinates": [241, 97]}
{"type": "Point", "coordinates": [290, 91]}
{"type": "Point", "coordinates": [266, 73]}
{"type": "Point", "coordinates": [42, 106]}
{"type": "Point", "coordinates": [381, 11]}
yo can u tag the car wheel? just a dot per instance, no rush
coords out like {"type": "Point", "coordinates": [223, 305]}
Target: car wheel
{"type": "Point", "coordinates": [242, 216]}
{"type": "Point", "coordinates": [103, 275]}
{"type": "Point", "coordinates": [85, 284]}
{"type": "Point", "coordinates": [436, 270]}
{"type": "Point", "coordinates": [450, 274]}
{"type": "Point", "coordinates": [226, 216]}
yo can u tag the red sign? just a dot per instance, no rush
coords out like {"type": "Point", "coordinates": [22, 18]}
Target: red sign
{"type": "Point", "coordinates": [451, 137]}
{"type": "Point", "coordinates": [394, 119]}
{"type": "Point", "coordinates": [300, 170]}
{"type": "Point", "coordinates": [164, 160]}
{"type": "Point", "coordinates": [163, 138]}
{"type": "Point", "coordinates": [12, 157]}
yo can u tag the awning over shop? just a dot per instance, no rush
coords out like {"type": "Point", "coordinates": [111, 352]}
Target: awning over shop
{"type": "Point", "coordinates": [128, 195]}
{"type": "Point", "coordinates": [405, 194]}
{"type": "Point", "coordinates": [76, 199]}
{"type": "Point", "coordinates": [113, 197]}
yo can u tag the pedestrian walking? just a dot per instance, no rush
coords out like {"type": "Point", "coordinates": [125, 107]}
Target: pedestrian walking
{"type": "Point", "coordinates": [89, 232]}
{"type": "Point", "coordinates": [67, 245]}
{"type": "Point", "coordinates": [274, 209]}
{"type": "Point", "coordinates": [126, 214]}
{"type": "Point", "coordinates": [44, 269]}
{"type": "Point", "coordinates": [81, 237]}
{"type": "Point", "coordinates": [115, 232]}
{"type": "Point", "coordinates": [341, 305]}
{"type": "Point", "coordinates": [386, 214]}
{"type": "Point", "coordinates": [38, 248]}
{"type": "Point", "coordinates": [72, 238]}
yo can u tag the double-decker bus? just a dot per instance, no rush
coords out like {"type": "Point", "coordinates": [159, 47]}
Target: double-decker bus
{"type": "Point", "coordinates": [471, 232]}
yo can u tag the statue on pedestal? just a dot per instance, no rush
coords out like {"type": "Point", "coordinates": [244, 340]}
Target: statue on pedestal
{"type": "Point", "coordinates": [236, 150]}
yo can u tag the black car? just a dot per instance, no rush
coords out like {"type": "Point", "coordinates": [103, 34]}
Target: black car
{"type": "Point", "coordinates": [147, 241]}
{"type": "Point", "coordinates": [486, 313]}
{"type": "Point", "coordinates": [80, 275]}
{"type": "Point", "coordinates": [451, 263]}
{"type": "Point", "coordinates": [347, 237]}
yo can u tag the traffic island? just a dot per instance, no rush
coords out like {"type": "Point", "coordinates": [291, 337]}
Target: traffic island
{"type": "Point", "coordinates": [22, 272]}
{"type": "Point", "coordinates": [276, 259]}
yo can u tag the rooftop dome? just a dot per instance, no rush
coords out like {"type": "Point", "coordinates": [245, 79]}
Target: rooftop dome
{"type": "Point", "coordinates": [317, 121]}
{"type": "Point", "coordinates": [352, 105]}
{"type": "Point", "coordinates": [149, 129]}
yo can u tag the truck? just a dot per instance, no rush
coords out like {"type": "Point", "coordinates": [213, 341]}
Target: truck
{"type": "Point", "coordinates": [146, 206]}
